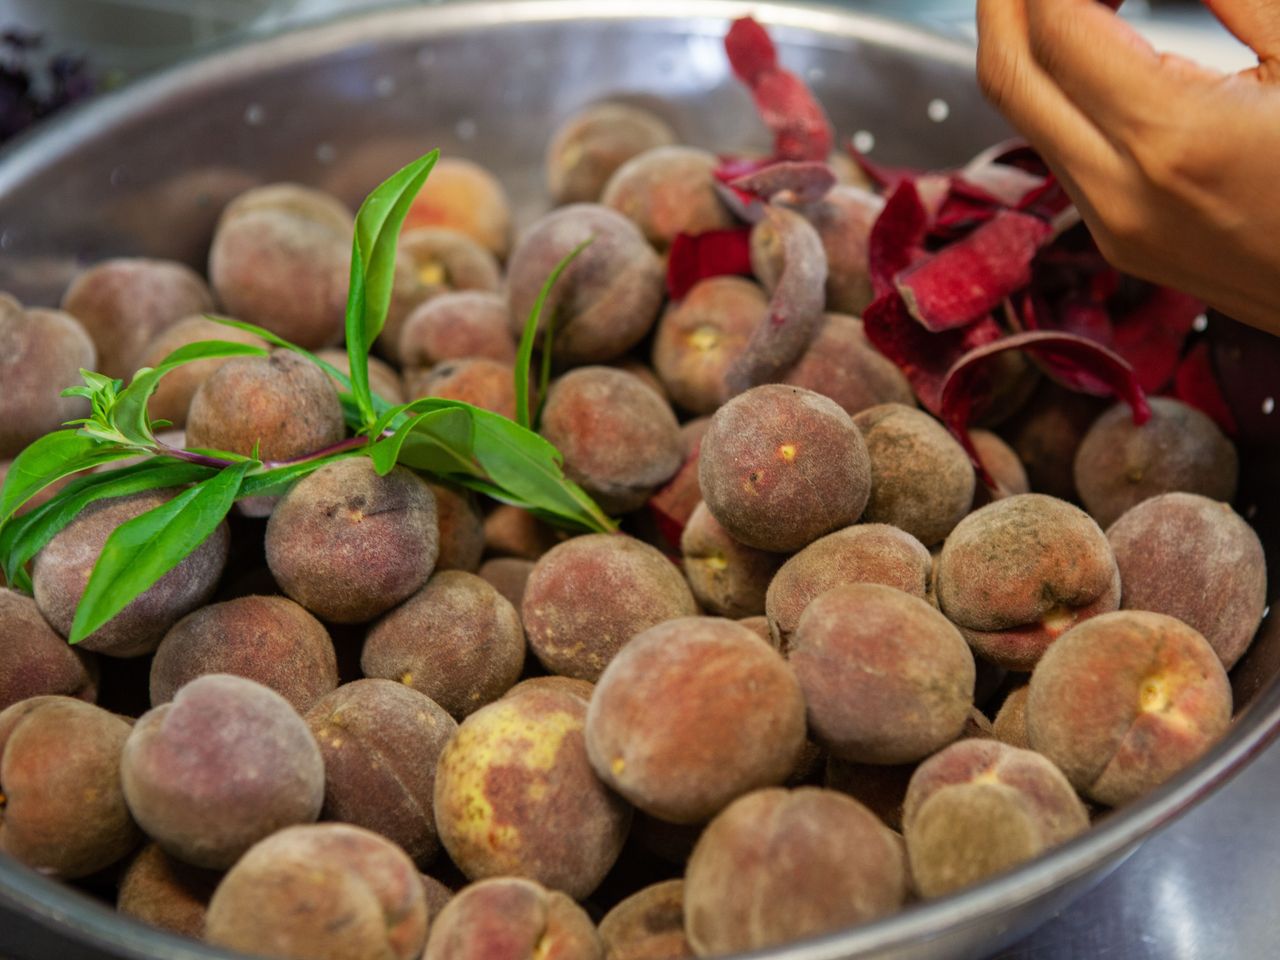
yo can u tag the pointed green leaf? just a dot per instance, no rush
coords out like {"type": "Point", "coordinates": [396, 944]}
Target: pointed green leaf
{"type": "Point", "coordinates": [373, 264]}
{"type": "Point", "coordinates": [529, 468]}
{"type": "Point", "coordinates": [378, 224]}
{"type": "Point", "coordinates": [438, 441]}
{"type": "Point", "coordinates": [142, 550]}
{"type": "Point", "coordinates": [269, 483]}
{"type": "Point", "coordinates": [23, 537]}
{"type": "Point", "coordinates": [357, 336]}
{"type": "Point", "coordinates": [130, 411]}
{"type": "Point", "coordinates": [524, 355]}
{"type": "Point", "coordinates": [49, 459]}
{"type": "Point", "coordinates": [278, 341]}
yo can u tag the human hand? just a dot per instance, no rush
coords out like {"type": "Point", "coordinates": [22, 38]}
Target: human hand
{"type": "Point", "coordinates": [1175, 167]}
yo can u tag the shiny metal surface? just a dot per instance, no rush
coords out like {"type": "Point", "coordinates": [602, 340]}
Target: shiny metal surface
{"type": "Point", "coordinates": [146, 171]}
{"type": "Point", "coordinates": [1203, 889]}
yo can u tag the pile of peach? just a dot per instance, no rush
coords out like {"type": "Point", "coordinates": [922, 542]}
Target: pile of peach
{"type": "Point", "coordinates": [599, 745]}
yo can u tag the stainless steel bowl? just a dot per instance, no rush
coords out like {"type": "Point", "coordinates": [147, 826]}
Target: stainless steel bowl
{"type": "Point", "coordinates": [145, 172]}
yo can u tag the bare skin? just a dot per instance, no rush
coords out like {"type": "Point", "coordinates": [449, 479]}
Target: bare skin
{"type": "Point", "coordinates": [1171, 164]}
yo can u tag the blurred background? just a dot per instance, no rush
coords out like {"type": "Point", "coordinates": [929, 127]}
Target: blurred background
{"type": "Point", "coordinates": [54, 52]}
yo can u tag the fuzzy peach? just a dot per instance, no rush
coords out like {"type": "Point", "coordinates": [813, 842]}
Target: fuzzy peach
{"type": "Point", "coordinates": [619, 440]}
{"type": "Point", "coordinates": [921, 478]}
{"type": "Point", "coordinates": [605, 301]}
{"type": "Point", "coordinates": [380, 741]}
{"type": "Point", "coordinates": [61, 573]}
{"type": "Point", "coordinates": [280, 258]}
{"type": "Point", "coordinates": [507, 918]}
{"type": "Point", "coordinates": [348, 544]}
{"type": "Point", "coordinates": [166, 893]}
{"type": "Point", "coordinates": [455, 326]}
{"type": "Point", "coordinates": [781, 466]}
{"type": "Point", "coordinates": [123, 303]}
{"type": "Point", "coordinates": [1018, 573]}
{"type": "Point", "coordinates": [668, 190]}
{"type": "Point", "coordinates": [590, 145]}
{"type": "Point", "coordinates": [1179, 449]}
{"type": "Point", "coordinates": [841, 363]}
{"type": "Point", "coordinates": [514, 783]}
{"type": "Point", "coordinates": [507, 575]}
{"type": "Point", "coordinates": [886, 678]}
{"type": "Point", "coordinates": [590, 595]}
{"type": "Point", "coordinates": [62, 810]}
{"type": "Point", "coordinates": [648, 925]}
{"type": "Point", "coordinates": [479, 381]}
{"type": "Point", "coordinates": [41, 353]}
{"type": "Point", "coordinates": [457, 640]}
{"type": "Point", "coordinates": [742, 891]}
{"type": "Point", "coordinates": [280, 405]}
{"type": "Point", "coordinates": [223, 765]}
{"type": "Point", "coordinates": [1126, 700]}
{"type": "Point", "coordinates": [693, 713]}
{"type": "Point", "coordinates": [864, 553]}
{"type": "Point", "coordinates": [326, 891]}
{"type": "Point", "coordinates": [461, 195]}
{"type": "Point", "coordinates": [979, 808]}
{"type": "Point", "coordinates": [1195, 559]}
{"type": "Point", "coordinates": [268, 639]}
{"type": "Point", "coordinates": [34, 660]}
{"type": "Point", "coordinates": [727, 578]}
{"type": "Point", "coordinates": [699, 337]}
{"type": "Point", "coordinates": [174, 393]}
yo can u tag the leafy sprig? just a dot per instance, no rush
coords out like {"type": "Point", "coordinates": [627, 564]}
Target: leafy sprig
{"type": "Point", "coordinates": [451, 440]}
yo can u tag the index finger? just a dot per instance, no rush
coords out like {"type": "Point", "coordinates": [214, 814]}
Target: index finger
{"type": "Point", "coordinates": [1031, 100]}
{"type": "Point", "coordinates": [1104, 66]}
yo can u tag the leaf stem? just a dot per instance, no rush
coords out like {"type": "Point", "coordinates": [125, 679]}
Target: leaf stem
{"type": "Point", "coordinates": [351, 443]}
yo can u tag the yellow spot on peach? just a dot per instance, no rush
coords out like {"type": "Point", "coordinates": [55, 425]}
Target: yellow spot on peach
{"type": "Point", "coordinates": [618, 766]}
{"type": "Point", "coordinates": [504, 736]}
{"type": "Point", "coordinates": [704, 338]}
{"type": "Point", "coordinates": [1153, 695]}
{"type": "Point", "coordinates": [433, 273]}
{"type": "Point", "coordinates": [335, 742]}
{"type": "Point", "coordinates": [572, 154]}
{"type": "Point", "coordinates": [407, 679]}
{"type": "Point", "coordinates": [1058, 620]}
{"type": "Point", "coordinates": [787, 452]}
{"type": "Point", "coordinates": [716, 561]}
{"type": "Point", "coordinates": [542, 949]}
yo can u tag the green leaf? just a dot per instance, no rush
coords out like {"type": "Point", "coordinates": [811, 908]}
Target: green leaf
{"type": "Point", "coordinates": [357, 344]}
{"type": "Point", "coordinates": [23, 537]}
{"type": "Point", "coordinates": [130, 411]}
{"type": "Point", "coordinates": [100, 391]}
{"type": "Point", "coordinates": [524, 355]}
{"type": "Point", "coordinates": [373, 264]}
{"type": "Point", "coordinates": [528, 469]}
{"type": "Point", "coordinates": [544, 378]}
{"type": "Point", "coordinates": [49, 459]}
{"type": "Point", "coordinates": [378, 224]}
{"type": "Point", "coordinates": [269, 483]}
{"type": "Point", "coordinates": [142, 550]}
{"type": "Point", "coordinates": [393, 417]}
{"type": "Point", "coordinates": [438, 441]}
{"type": "Point", "coordinates": [276, 340]}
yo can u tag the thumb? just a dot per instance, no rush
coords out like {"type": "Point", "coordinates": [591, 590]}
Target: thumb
{"type": "Point", "coordinates": [1255, 23]}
